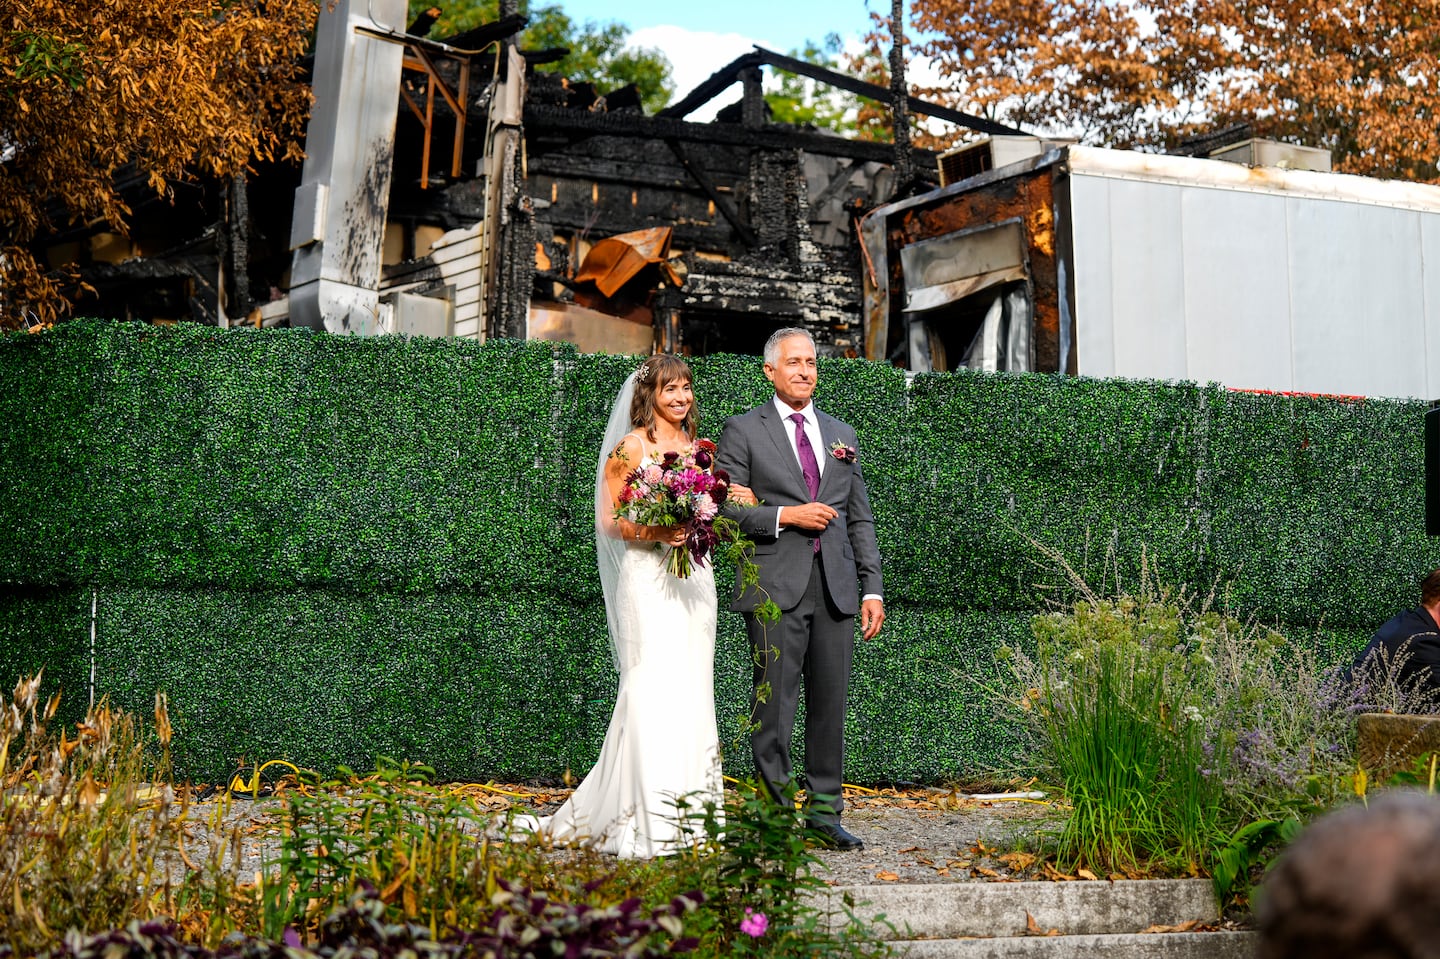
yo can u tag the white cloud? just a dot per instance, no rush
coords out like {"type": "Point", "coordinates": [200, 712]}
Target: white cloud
{"type": "Point", "coordinates": [695, 55]}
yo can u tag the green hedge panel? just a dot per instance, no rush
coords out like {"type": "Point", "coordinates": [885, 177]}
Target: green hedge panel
{"type": "Point", "coordinates": [277, 458]}
{"type": "Point", "coordinates": [510, 688]}
{"type": "Point", "coordinates": [1318, 506]}
{"type": "Point", "coordinates": [47, 405]}
{"type": "Point", "coordinates": [326, 548]}
{"type": "Point", "coordinates": [1096, 470]}
{"type": "Point", "coordinates": [47, 629]}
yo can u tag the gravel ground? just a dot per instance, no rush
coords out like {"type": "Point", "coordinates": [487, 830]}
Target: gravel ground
{"type": "Point", "coordinates": [913, 840]}
{"type": "Point", "coordinates": [911, 836]}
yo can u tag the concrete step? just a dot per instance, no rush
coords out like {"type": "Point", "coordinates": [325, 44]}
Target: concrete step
{"type": "Point", "coordinates": [959, 910]}
{"type": "Point", "coordinates": [1172, 945]}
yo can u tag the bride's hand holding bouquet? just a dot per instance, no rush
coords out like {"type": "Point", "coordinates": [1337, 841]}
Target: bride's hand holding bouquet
{"type": "Point", "coordinates": [681, 492]}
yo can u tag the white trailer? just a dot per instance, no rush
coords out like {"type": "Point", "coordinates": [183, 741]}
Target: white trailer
{"type": "Point", "coordinates": [1117, 263]}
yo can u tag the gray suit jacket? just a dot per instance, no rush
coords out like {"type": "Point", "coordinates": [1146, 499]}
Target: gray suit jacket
{"type": "Point", "coordinates": [756, 452]}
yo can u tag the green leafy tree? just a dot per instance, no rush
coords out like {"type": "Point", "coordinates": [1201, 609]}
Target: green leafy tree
{"type": "Point", "coordinates": [805, 102]}
{"type": "Point", "coordinates": [598, 53]}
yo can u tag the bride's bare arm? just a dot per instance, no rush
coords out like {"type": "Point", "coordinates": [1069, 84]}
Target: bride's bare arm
{"type": "Point", "coordinates": [623, 459]}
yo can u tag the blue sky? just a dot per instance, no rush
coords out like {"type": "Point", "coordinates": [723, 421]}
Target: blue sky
{"type": "Point", "coordinates": [785, 24]}
{"type": "Point", "coordinates": [699, 38]}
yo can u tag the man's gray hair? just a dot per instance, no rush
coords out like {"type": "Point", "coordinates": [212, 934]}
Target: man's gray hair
{"type": "Point", "coordinates": [772, 345]}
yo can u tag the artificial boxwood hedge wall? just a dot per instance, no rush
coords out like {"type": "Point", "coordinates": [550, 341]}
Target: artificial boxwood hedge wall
{"type": "Point", "coordinates": [327, 548]}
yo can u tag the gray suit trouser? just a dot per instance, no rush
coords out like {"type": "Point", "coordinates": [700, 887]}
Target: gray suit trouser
{"type": "Point", "coordinates": [814, 642]}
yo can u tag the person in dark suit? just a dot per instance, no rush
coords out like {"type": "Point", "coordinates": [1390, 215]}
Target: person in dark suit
{"type": "Point", "coordinates": [1407, 647]}
{"type": "Point", "coordinates": [814, 538]}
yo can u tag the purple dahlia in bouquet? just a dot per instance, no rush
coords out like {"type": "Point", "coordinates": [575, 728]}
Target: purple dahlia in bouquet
{"type": "Point", "coordinates": [681, 488]}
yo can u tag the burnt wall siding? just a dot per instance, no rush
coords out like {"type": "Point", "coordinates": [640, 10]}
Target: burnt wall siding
{"type": "Point", "coordinates": [1029, 198]}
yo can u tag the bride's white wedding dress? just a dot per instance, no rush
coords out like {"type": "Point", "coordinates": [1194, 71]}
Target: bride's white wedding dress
{"type": "Point", "coordinates": [662, 752]}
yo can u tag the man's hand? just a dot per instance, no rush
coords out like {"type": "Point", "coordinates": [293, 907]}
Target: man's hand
{"type": "Point", "coordinates": [812, 516]}
{"type": "Point", "coordinates": [872, 615]}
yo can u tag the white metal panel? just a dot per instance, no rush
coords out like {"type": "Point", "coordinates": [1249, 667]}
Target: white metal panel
{"type": "Point", "coordinates": [1429, 256]}
{"type": "Point", "coordinates": [1148, 280]}
{"type": "Point", "coordinates": [1094, 262]}
{"type": "Point", "coordinates": [1194, 172]}
{"type": "Point", "coordinates": [1237, 301]}
{"type": "Point", "coordinates": [1357, 295]}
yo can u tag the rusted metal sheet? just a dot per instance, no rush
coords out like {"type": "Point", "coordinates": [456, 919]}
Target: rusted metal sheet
{"type": "Point", "coordinates": [614, 261]}
{"type": "Point", "coordinates": [1027, 198]}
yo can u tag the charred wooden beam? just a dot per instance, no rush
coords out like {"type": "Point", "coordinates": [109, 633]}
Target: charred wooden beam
{"type": "Point", "coordinates": [548, 55]}
{"type": "Point", "coordinates": [880, 94]}
{"type": "Point", "coordinates": [832, 189]}
{"type": "Point", "coordinates": [718, 83]}
{"type": "Point", "coordinates": [721, 201]}
{"type": "Point", "coordinates": [580, 123]}
{"type": "Point", "coordinates": [482, 36]}
{"type": "Point", "coordinates": [421, 25]}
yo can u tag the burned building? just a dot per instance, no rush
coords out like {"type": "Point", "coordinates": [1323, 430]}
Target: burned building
{"type": "Point", "coordinates": [451, 188]}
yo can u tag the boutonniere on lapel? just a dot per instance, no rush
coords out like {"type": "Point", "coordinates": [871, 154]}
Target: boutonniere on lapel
{"type": "Point", "coordinates": [843, 453]}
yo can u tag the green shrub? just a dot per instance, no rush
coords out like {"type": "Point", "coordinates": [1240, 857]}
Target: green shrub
{"type": "Point", "coordinates": [1175, 727]}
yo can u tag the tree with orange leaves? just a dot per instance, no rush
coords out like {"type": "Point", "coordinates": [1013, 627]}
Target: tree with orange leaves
{"type": "Point", "coordinates": [1358, 77]}
{"type": "Point", "coordinates": [178, 88]}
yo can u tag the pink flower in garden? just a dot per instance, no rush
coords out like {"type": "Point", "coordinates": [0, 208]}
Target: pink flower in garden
{"type": "Point", "coordinates": [754, 924]}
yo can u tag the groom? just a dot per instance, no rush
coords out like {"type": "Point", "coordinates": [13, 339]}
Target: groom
{"type": "Point", "coordinates": [815, 545]}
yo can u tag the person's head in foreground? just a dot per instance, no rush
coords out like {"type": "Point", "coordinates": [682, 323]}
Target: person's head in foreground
{"type": "Point", "coordinates": [1357, 883]}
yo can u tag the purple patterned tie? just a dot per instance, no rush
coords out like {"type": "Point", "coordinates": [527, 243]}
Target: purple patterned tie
{"type": "Point", "coordinates": [808, 467]}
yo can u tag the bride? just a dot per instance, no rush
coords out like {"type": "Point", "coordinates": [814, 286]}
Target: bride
{"type": "Point", "coordinates": [661, 757]}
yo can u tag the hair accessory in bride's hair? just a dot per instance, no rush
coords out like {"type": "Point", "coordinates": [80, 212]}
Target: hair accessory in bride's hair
{"type": "Point", "coordinates": [643, 374]}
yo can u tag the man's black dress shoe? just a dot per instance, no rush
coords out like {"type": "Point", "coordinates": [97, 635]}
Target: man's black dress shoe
{"type": "Point", "coordinates": [832, 835]}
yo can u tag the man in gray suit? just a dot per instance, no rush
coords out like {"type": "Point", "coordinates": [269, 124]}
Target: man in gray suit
{"type": "Point", "coordinates": [815, 545]}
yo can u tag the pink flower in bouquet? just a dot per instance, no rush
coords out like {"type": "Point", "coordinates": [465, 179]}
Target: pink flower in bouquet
{"type": "Point", "coordinates": [679, 489]}
{"type": "Point", "coordinates": [754, 924]}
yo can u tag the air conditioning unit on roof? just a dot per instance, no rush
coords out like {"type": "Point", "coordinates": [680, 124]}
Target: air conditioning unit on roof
{"type": "Point", "coordinates": [990, 153]}
{"type": "Point", "coordinates": [1287, 156]}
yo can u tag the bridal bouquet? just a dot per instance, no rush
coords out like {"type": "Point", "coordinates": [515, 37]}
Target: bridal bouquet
{"type": "Point", "coordinates": [681, 489]}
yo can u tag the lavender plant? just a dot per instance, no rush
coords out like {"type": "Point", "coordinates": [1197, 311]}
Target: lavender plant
{"type": "Point", "coordinates": [1173, 725]}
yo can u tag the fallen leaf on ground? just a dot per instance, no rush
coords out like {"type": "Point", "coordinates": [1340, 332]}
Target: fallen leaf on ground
{"type": "Point", "coordinates": [1019, 860]}
{"type": "Point", "coordinates": [912, 849]}
{"type": "Point", "coordinates": [1193, 925]}
{"type": "Point", "coordinates": [1052, 873]}
{"type": "Point", "coordinates": [886, 875]}
{"type": "Point", "coordinates": [1087, 874]}
{"type": "Point", "coordinates": [982, 871]}
{"type": "Point", "coordinates": [1032, 928]}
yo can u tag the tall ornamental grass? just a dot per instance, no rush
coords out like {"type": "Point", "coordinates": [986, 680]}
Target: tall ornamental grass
{"type": "Point", "coordinates": [1173, 725]}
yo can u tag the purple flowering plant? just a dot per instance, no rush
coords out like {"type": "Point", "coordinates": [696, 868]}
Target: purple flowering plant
{"type": "Point", "coordinates": [1173, 724]}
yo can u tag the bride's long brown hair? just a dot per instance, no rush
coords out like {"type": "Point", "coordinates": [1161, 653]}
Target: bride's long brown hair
{"type": "Point", "coordinates": [654, 375]}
